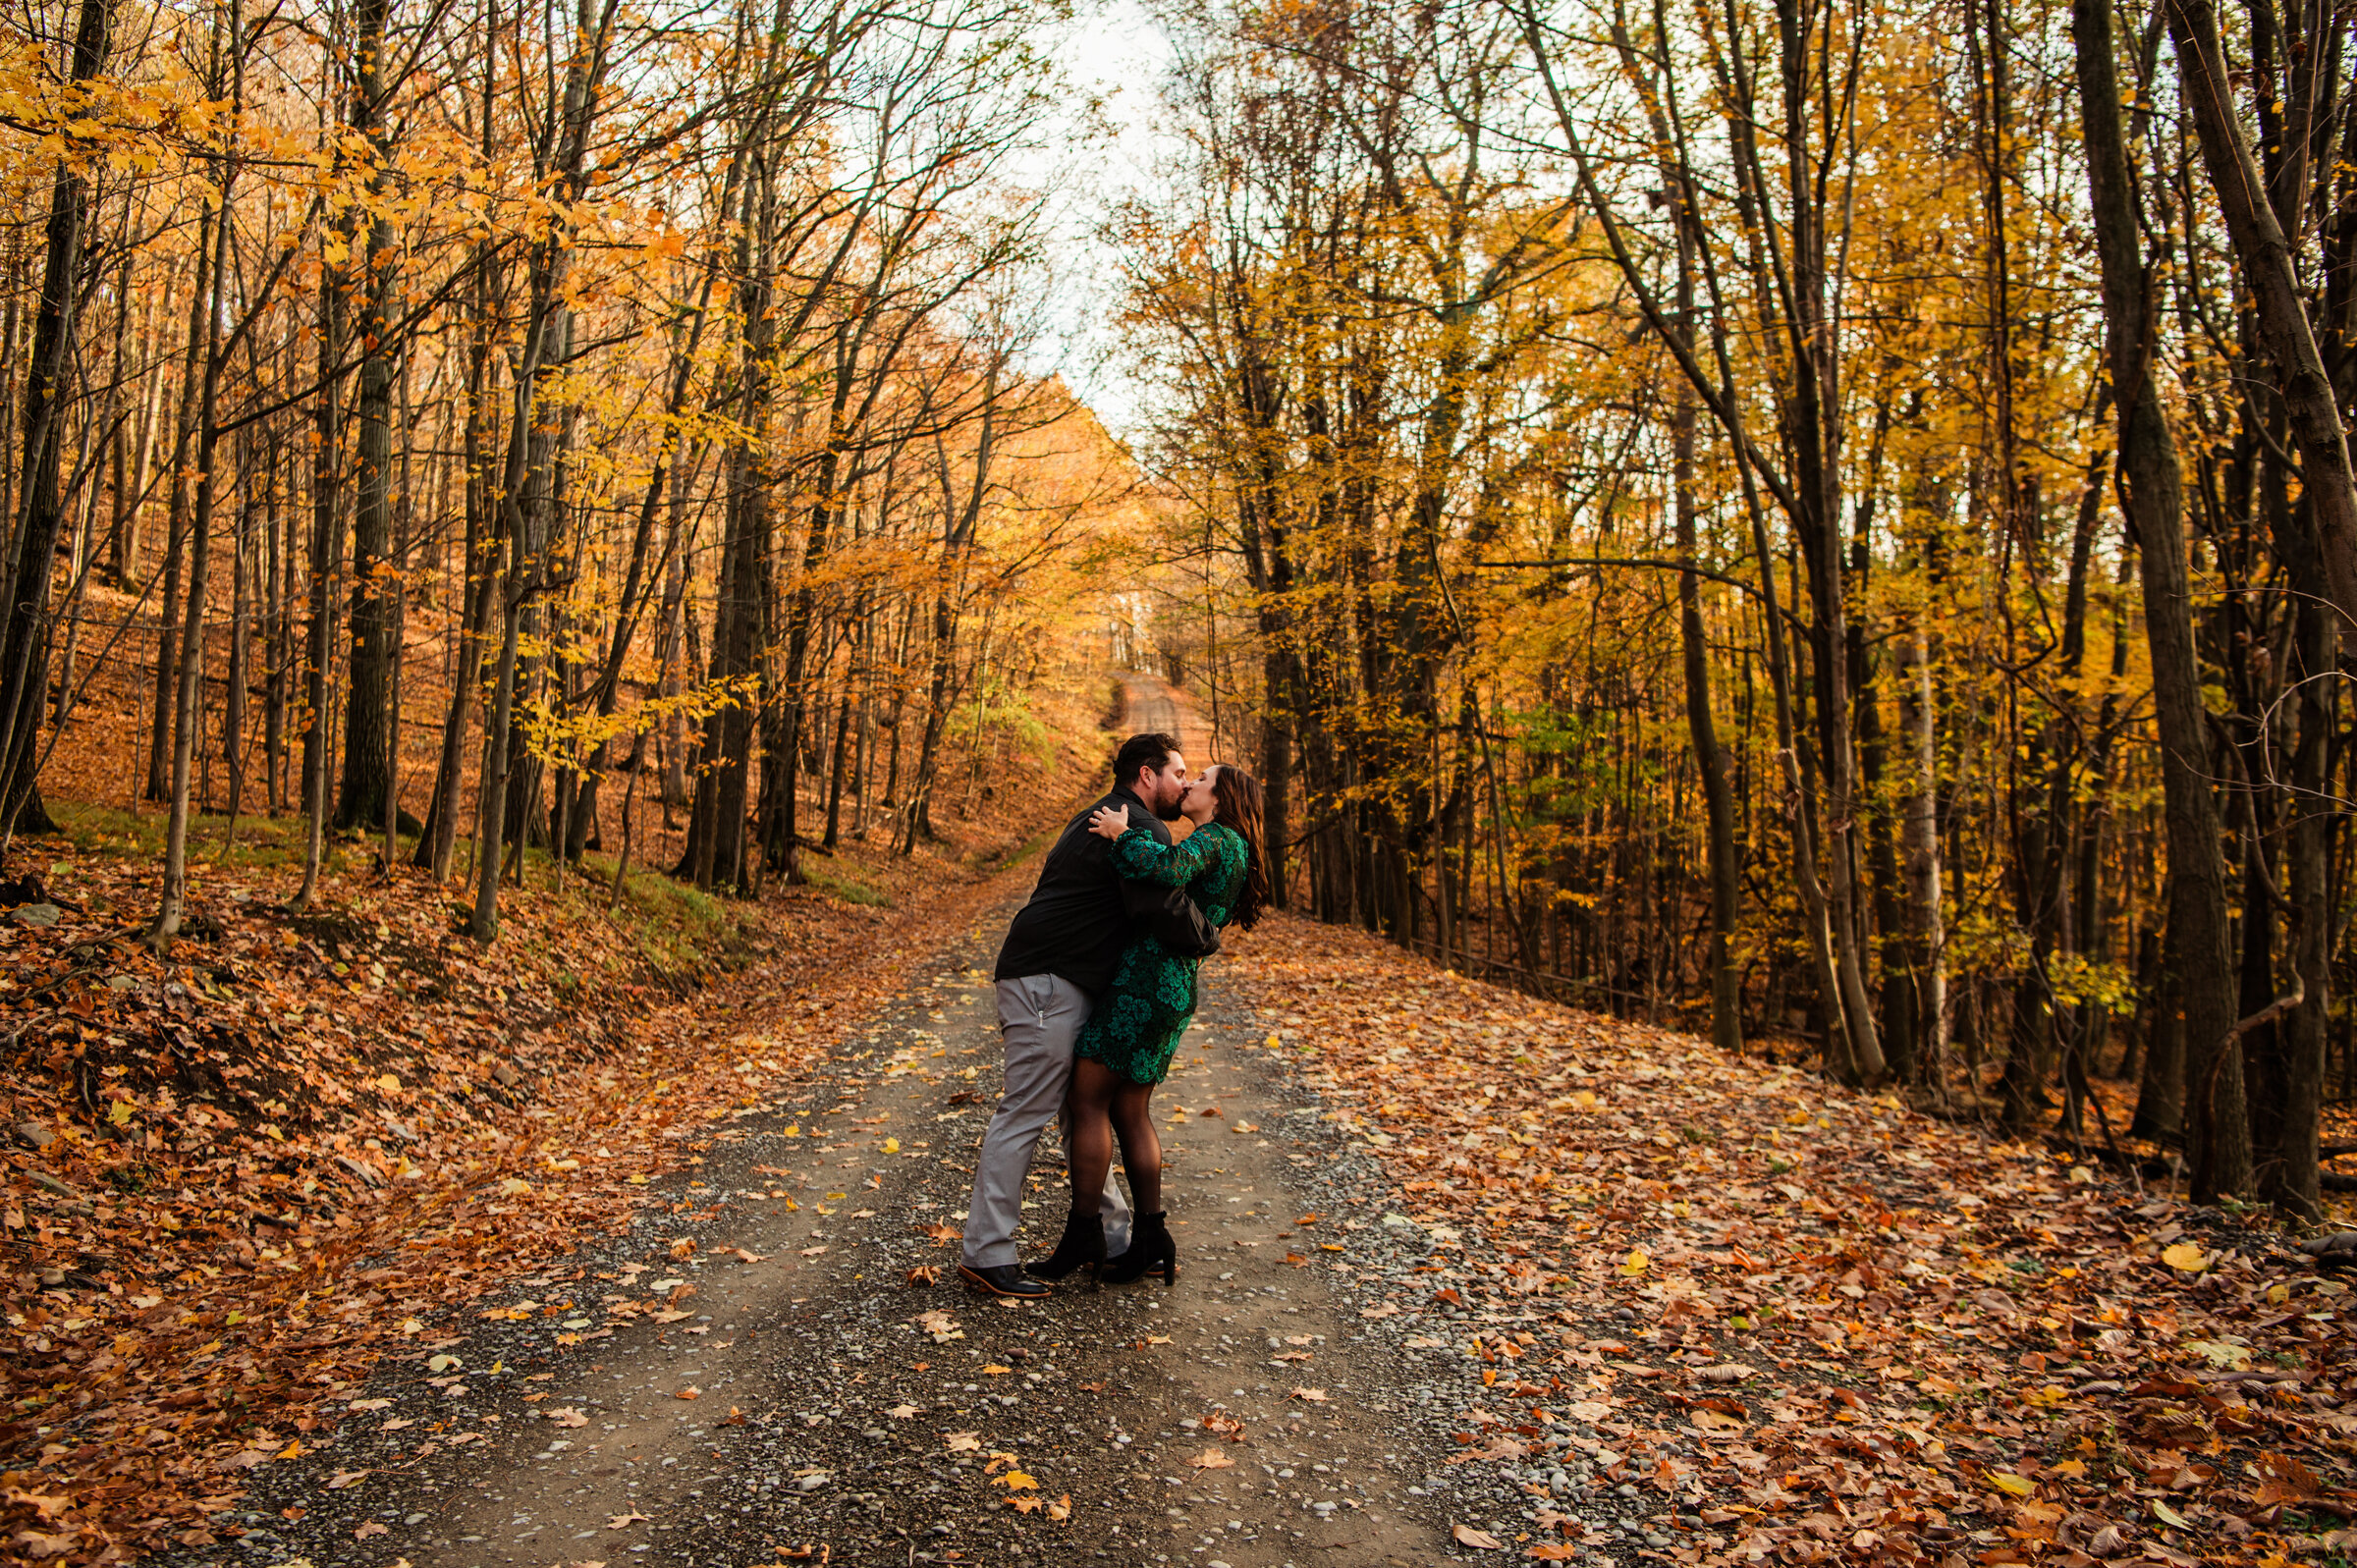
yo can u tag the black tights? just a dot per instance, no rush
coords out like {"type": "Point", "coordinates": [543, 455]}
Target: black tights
{"type": "Point", "coordinates": [1105, 1106]}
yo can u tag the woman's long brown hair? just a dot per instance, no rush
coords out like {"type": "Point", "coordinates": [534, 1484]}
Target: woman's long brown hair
{"type": "Point", "coordinates": [1235, 805]}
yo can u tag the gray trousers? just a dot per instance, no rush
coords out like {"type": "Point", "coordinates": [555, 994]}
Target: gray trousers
{"type": "Point", "coordinates": [1039, 1018]}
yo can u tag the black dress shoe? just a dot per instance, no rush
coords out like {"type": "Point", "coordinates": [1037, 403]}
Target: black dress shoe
{"type": "Point", "coordinates": [1004, 1279]}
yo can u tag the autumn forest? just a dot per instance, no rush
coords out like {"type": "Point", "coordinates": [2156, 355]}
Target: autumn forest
{"type": "Point", "coordinates": [532, 533]}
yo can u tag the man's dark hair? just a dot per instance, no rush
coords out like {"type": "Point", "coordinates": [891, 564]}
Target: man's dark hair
{"type": "Point", "coordinates": [1149, 750]}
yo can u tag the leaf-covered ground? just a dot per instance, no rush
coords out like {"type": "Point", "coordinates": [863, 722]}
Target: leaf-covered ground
{"type": "Point", "coordinates": [1671, 1305]}
{"type": "Point", "coordinates": [1804, 1323]}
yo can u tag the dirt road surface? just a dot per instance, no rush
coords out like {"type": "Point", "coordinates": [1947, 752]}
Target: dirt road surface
{"type": "Point", "coordinates": [1152, 703]}
{"type": "Point", "coordinates": [792, 1392]}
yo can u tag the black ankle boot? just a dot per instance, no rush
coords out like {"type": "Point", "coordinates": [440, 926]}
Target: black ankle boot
{"type": "Point", "coordinates": [1151, 1249]}
{"type": "Point", "coordinates": [1082, 1245]}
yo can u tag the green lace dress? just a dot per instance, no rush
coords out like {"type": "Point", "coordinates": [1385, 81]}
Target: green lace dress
{"type": "Point", "coordinates": [1134, 1027]}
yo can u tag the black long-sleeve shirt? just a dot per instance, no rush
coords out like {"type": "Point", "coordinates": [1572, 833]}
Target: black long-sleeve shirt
{"type": "Point", "coordinates": [1083, 912]}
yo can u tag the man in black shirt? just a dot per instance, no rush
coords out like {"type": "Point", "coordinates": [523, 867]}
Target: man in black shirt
{"type": "Point", "coordinates": [1059, 955]}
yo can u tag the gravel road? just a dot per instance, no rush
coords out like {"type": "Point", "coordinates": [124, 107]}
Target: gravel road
{"type": "Point", "coordinates": [746, 1375]}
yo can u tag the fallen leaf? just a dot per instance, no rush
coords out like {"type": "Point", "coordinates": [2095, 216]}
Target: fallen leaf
{"type": "Point", "coordinates": [566, 1416]}
{"type": "Point", "coordinates": [371, 1528]}
{"type": "Point", "coordinates": [901, 1412]}
{"type": "Point", "coordinates": [690, 1392]}
{"type": "Point", "coordinates": [625, 1521]}
{"type": "Point", "coordinates": [1479, 1540]}
{"type": "Point", "coordinates": [1212, 1459]}
{"type": "Point", "coordinates": [2295, 1477]}
{"type": "Point", "coordinates": [2185, 1257]}
{"type": "Point", "coordinates": [962, 1442]}
{"type": "Point", "coordinates": [1062, 1508]}
{"type": "Point", "coordinates": [1316, 1396]}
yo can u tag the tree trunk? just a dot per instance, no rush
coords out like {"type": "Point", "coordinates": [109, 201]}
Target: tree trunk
{"type": "Point", "coordinates": [480, 564]}
{"type": "Point", "coordinates": [2153, 497]}
{"type": "Point", "coordinates": [186, 705]}
{"type": "Point", "coordinates": [24, 644]}
{"type": "Point", "coordinates": [1719, 817]}
{"type": "Point", "coordinates": [367, 770]}
{"type": "Point", "coordinates": [326, 567]}
{"type": "Point", "coordinates": [276, 647]}
{"type": "Point", "coordinates": [176, 524]}
{"type": "Point", "coordinates": [2288, 1176]}
{"type": "Point", "coordinates": [2269, 273]}
{"type": "Point", "coordinates": [1926, 966]}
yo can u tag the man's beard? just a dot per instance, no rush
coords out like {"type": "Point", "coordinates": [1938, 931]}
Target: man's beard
{"type": "Point", "coordinates": [1170, 810]}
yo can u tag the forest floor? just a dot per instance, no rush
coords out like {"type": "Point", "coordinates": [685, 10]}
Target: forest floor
{"type": "Point", "coordinates": [632, 1239]}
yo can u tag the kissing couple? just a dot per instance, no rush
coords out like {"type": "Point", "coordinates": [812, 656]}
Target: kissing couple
{"type": "Point", "coordinates": [1096, 982]}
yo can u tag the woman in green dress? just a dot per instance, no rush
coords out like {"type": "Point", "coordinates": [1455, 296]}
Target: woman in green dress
{"type": "Point", "coordinates": [1125, 1048]}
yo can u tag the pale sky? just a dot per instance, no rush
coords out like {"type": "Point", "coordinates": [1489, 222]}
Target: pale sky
{"type": "Point", "coordinates": [1114, 51]}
